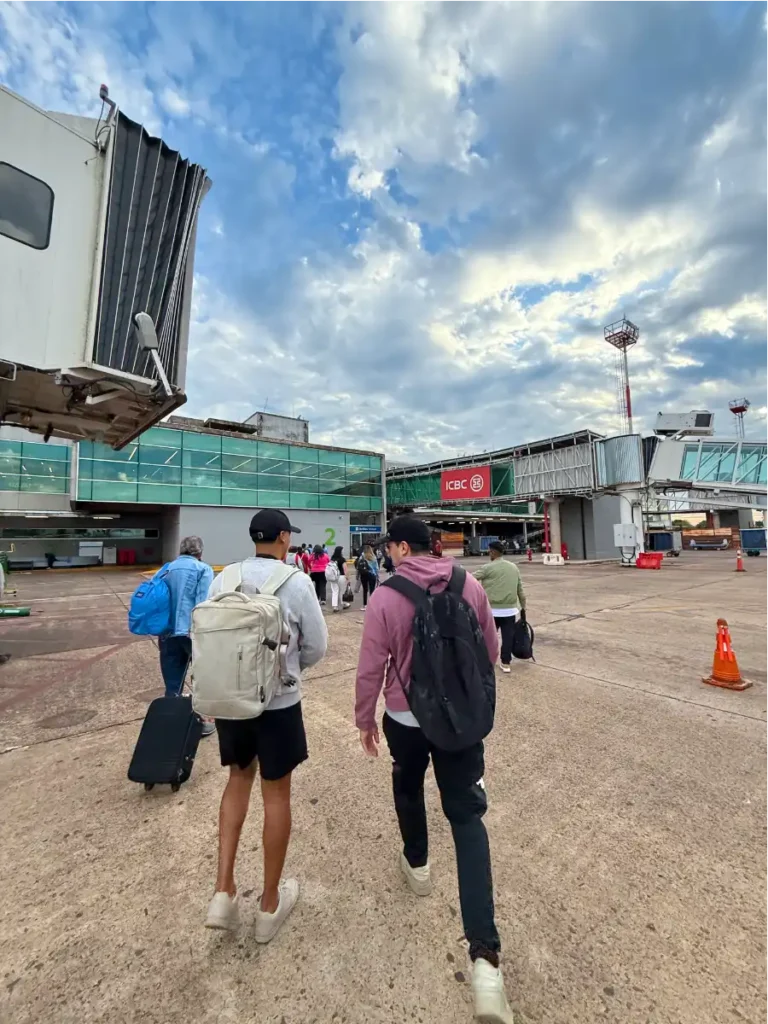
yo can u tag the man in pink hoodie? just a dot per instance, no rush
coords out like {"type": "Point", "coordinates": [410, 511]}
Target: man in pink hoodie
{"type": "Point", "coordinates": [385, 659]}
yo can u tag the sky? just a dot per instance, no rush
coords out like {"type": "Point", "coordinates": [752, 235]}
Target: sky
{"type": "Point", "coordinates": [423, 214]}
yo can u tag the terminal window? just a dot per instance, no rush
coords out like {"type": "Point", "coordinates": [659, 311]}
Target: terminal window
{"type": "Point", "coordinates": [26, 207]}
{"type": "Point", "coordinates": [34, 467]}
{"type": "Point", "coordinates": [167, 466]}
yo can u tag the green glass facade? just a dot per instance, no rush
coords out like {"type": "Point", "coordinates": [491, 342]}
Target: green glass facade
{"type": "Point", "coordinates": [33, 466]}
{"type": "Point", "coordinates": [414, 490]}
{"type": "Point", "coordinates": [182, 467]}
{"type": "Point", "coordinates": [425, 490]}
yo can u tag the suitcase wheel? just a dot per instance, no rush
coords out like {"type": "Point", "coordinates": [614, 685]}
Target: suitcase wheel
{"type": "Point", "coordinates": [148, 786]}
{"type": "Point", "coordinates": [175, 787]}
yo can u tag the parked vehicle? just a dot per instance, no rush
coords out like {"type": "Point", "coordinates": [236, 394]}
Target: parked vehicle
{"type": "Point", "coordinates": [753, 541]}
{"type": "Point", "coordinates": [668, 541]}
{"type": "Point", "coordinates": [709, 544]}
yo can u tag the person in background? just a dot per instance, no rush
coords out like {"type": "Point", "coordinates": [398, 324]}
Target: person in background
{"type": "Point", "coordinates": [339, 585]}
{"type": "Point", "coordinates": [386, 652]}
{"type": "Point", "coordinates": [503, 585]}
{"type": "Point", "coordinates": [188, 581]}
{"type": "Point", "coordinates": [437, 546]}
{"type": "Point", "coordinates": [367, 572]}
{"type": "Point", "coordinates": [317, 564]}
{"type": "Point", "coordinates": [306, 556]}
{"type": "Point", "coordinates": [274, 744]}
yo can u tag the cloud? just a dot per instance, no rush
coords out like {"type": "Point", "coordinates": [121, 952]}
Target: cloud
{"type": "Point", "coordinates": [423, 214]}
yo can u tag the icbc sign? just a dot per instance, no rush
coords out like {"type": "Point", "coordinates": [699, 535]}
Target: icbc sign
{"type": "Point", "coordinates": [465, 483]}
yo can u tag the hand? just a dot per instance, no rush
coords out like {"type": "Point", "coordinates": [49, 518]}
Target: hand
{"type": "Point", "coordinates": [369, 741]}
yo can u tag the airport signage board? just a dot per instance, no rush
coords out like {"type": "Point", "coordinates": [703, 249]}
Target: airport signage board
{"type": "Point", "coordinates": [474, 482]}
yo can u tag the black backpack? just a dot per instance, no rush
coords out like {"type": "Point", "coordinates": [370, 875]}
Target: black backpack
{"type": "Point", "coordinates": [522, 639]}
{"type": "Point", "coordinates": [452, 691]}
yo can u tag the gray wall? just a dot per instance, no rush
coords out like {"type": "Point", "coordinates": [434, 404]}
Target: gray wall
{"type": "Point", "coordinates": [279, 428]}
{"type": "Point", "coordinates": [606, 511]}
{"type": "Point", "coordinates": [31, 501]}
{"type": "Point", "coordinates": [169, 534]}
{"type": "Point", "coordinates": [586, 526]}
{"type": "Point", "coordinates": [741, 519]}
{"type": "Point", "coordinates": [572, 526]}
{"type": "Point", "coordinates": [224, 531]}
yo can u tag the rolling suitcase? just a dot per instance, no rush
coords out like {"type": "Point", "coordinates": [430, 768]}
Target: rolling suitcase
{"type": "Point", "coordinates": [167, 744]}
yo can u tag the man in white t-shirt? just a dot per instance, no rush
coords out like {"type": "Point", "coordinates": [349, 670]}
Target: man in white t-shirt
{"type": "Point", "coordinates": [275, 742]}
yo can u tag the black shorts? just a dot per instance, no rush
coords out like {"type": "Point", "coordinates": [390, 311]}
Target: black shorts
{"type": "Point", "coordinates": [276, 738]}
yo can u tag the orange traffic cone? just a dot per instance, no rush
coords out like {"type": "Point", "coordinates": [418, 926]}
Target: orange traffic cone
{"type": "Point", "coordinates": [725, 668]}
{"type": "Point", "coordinates": [739, 562]}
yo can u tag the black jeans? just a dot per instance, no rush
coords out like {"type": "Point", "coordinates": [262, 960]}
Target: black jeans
{"type": "Point", "coordinates": [369, 585]}
{"type": "Point", "coordinates": [318, 578]}
{"type": "Point", "coordinates": [507, 625]}
{"type": "Point", "coordinates": [175, 653]}
{"type": "Point", "coordinates": [459, 777]}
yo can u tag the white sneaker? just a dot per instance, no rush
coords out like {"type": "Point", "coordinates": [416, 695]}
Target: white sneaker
{"type": "Point", "coordinates": [419, 879]}
{"type": "Point", "coordinates": [506, 668]}
{"type": "Point", "coordinates": [223, 912]}
{"type": "Point", "coordinates": [267, 925]}
{"type": "Point", "coordinates": [491, 1006]}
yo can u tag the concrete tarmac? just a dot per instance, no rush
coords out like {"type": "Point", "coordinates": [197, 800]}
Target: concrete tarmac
{"type": "Point", "coordinates": [626, 816]}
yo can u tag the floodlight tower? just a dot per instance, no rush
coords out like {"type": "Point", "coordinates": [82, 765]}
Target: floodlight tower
{"type": "Point", "coordinates": [623, 334]}
{"type": "Point", "coordinates": [739, 408]}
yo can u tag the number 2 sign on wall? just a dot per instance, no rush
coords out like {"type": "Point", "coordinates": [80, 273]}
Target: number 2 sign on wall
{"type": "Point", "coordinates": [330, 536]}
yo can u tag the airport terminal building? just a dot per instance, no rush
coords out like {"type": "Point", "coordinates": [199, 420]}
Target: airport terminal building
{"type": "Point", "coordinates": [80, 503]}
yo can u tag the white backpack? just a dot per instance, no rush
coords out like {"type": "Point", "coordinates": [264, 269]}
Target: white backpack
{"type": "Point", "coordinates": [332, 572]}
{"type": "Point", "coordinates": [236, 640]}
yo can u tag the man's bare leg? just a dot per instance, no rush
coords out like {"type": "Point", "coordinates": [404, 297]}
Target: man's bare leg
{"type": "Point", "coordinates": [232, 814]}
{"type": "Point", "coordinates": [277, 831]}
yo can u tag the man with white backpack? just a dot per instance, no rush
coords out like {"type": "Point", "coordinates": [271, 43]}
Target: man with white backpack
{"type": "Point", "coordinates": [259, 629]}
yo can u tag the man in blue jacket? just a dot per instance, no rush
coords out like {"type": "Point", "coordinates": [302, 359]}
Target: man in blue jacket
{"type": "Point", "coordinates": [188, 581]}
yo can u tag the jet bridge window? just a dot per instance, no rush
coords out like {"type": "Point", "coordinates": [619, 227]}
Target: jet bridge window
{"type": "Point", "coordinates": [26, 207]}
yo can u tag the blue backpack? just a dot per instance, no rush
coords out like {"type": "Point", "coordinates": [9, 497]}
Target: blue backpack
{"type": "Point", "coordinates": [150, 610]}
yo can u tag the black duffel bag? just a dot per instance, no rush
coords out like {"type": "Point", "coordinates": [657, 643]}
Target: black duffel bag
{"type": "Point", "coordinates": [522, 639]}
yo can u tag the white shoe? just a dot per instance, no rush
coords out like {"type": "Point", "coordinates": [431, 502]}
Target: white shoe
{"type": "Point", "coordinates": [506, 668]}
{"type": "Point", "coordinates": [223, 912]}
{"type": "Point", "coordinates": [267, 925]}
{"type": "Point", "coordinates": [491, 1006]}
{"type": "Point", "coordinates": [419, 879]}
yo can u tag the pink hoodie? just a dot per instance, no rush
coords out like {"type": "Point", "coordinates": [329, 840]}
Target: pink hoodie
{"type": "Point", "coordinates": [388, 633]}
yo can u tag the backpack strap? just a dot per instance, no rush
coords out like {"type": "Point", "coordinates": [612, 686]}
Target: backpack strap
{"type": "Point", "coordinates": [231, 577]}
{"type": "Point", "coordinates": [280, 575]}
{"type": "Point", "coordinates": [415, 594]}
{"type": "Point", "coordinates": [457, 580]}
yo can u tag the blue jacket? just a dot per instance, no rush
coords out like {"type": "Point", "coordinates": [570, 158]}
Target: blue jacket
{"type": "Point", "coordinates": [188, 580]}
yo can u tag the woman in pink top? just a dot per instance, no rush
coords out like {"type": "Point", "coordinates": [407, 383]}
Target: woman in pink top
{"type": "Point", "coordinates": [317, 564]}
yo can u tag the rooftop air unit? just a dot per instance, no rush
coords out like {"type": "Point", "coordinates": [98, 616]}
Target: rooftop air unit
{"type": "Point", "coordinates": [697, 423]}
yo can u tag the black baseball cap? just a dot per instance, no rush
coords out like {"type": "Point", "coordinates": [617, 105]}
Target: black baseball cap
{"type": "Point", "coordinates": [269, 523]}
{"type": "Point", "coordinates": [408, 530]}
{"type": "Point", "coordinates": [496, 545]}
